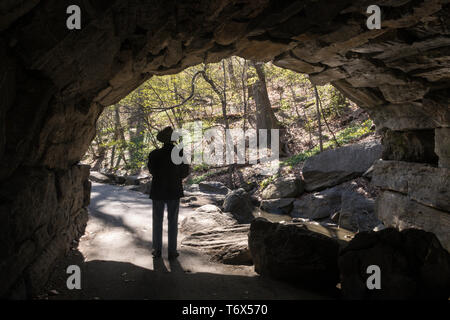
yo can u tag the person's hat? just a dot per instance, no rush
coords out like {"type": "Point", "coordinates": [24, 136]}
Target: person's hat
{"type": "Point", "coordinates": [165, 135]}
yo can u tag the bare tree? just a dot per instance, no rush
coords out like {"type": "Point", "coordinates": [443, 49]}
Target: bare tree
{"type": "Point", "coordinates": [318, 118]}
{"type": "Point", "coordinates": [265, 117]}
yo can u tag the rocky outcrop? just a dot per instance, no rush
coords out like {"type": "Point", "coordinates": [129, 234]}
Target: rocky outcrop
{"type": "Point", "coordinates": [227, 244]}
{"type": "Point", "coordinates": [357, 212]}
{"type": "Point", "coordinates": [99, 177]}
{"type": "Point", "coordinates": [422, 183]}
{"type": "Point", "coordinates": [218, 234]}
{"type": "Point", "coordinates": [332, 167]}
{"type": "Point", "coordinates": [412, 264]}
{"type": "Point", "coordinates": [277, 206]}
{"type": "Point", "coordinates": [283, 187]}
{"type": "Point", "coordinates": [213, 187]}
{"type": "Point", "coordinates": [397, 210]}
{"type": "Point", "coordinates": [294, 254]}
{"type": "Point", "coordinates": [206, 217]}
{"type": "Point", "coordinates": [238, 202]}
{"type": "Point", "coordinates": [348, 205]}
{"type": "Point", "coordinates": [318, 205]}
{"type": "Point", "coordinates": [414, 196]}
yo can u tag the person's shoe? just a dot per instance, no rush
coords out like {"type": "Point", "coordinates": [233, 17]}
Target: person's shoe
{"type": "Point", "coordinates": [156, 253]}
{"type": "Point", "coordinates": [173, 255]}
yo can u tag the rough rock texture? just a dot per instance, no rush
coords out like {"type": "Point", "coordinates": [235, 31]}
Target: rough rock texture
{"type": "Point", "coordinates": [99, 177]}
{"type": "Point", "coordinates": [206, 217]}
{"type": "Point", "coordinates": [348, 204]}
{"type": "Point", "coordinates": [238, 202]}
{"type": "Point", "coordinates": [218, 234]}
{"type": "Point", "coordinates": [397, 210]}
{"type": "Point", "coordinates": [412, 146]}
{"type": "Point", "coordinates": [277, 206]}
{"type": "Point", "coordinates": [294, 254]}
{"type": "Point", "coordinates": [318, 205]}
{"type": "Point", "coordinates": [56, 82]}
{"type": "Point", "coordinates": [195, 198]}
{"type": "Point", "coordinates": [335, 166]}
{"type": "Point", "coordinates": [283, 187]}
{"type": "Point", "coordinates": [415, 196]}
{"type": "Point", "coordinates": [357, 212]}
{"type": "Point", "coordinates": [227, 244]}
{"type": "Point", "coordinates": [44, 211]}
{"type": "Point", "coordinates": [442, 146]}
{"type": "Point", "coordinates": [412, 263]}
{"type": "Point", "coordinates": [422, 183]}
{"type": "Point", "coordinates": [213, 187]}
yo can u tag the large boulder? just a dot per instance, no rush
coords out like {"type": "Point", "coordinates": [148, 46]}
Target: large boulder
{"type": "Point", "coordinates": [96, 176]}
{"type": "Point", "coordinates": [283, 187]}
{"type": "Point", "coordinates": [132, 180]}
{"type": "Point", "coordinates": [357, 212]}
{"type": "Point", "coordinates": [332, 167]}
{"type": "Point", "coordinates": [277, 206]}
{"type": "Point", "coordinates": [318, 205]}
{"type": "Point", "coordinates": [414, 195]}
{"type": "Point", "coordinates": [119, 179]}
{"type": "Point", "coordinates": [213, 187]}
{"type": "Point", "coordinates": [397, 210]}
{"type": "Point", "coordinates": [422, 183]}
{"type": "Point", "coordinates": [413, 265]}
{"type": "Point", "coordinates": [293, 253]}
{"type": "Point", "coordinates": [239, 203]}
{"type": "Point", "coordinates": [206, 217]}
{"type": "Point", "coordinates": [347, 204]}
{"type": "Point", "coordinates": [226, 244]}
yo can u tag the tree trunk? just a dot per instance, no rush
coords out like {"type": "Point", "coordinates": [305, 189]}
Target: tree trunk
{"type": "Point", "coordinates": [326, 123]}
{"type": "Point", "coordinates": [244, 91]}
{"type": "Point", "coordinates": [318, 118]}
{"type": "Point", "coordinates": [265, 117]}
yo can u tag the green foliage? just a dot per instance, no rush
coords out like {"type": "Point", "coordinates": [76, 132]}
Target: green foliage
{"type": "Point", "coordinates": [200, 167]}
{"type": "Point", "coordinates": [203, 177]}
{"type": "Point", "coordinates": [264, 183]}
{"type": "Point", "coordinates": [343, 137]}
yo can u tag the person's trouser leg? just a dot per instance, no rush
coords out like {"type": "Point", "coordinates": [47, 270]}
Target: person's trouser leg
{"type": "Point", "coordinates": [157, 224]}
{"type": "Point", "coordinates": [172, 216]}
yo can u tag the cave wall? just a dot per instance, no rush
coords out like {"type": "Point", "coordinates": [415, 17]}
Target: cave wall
{"type": "Point", "coordinates": [56, 82]}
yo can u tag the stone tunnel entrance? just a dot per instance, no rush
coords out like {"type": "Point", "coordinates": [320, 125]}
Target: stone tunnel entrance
{"type": "Point", "coordinates": [55, 83]}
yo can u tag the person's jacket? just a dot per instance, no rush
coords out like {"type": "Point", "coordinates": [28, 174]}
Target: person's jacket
{"type": "Point", "coordinates": [167, 176]}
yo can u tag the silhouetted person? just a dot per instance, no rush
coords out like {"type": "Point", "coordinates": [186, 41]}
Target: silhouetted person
{"type": "Point", "coordinates": [166, 188]}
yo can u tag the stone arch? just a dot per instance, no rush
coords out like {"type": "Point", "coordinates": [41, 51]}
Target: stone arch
{"type": "Point", "coordinates": [55, 83]}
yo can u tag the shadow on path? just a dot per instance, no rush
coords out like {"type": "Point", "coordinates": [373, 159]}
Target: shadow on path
{"type": "Point", "coordinates": [109, 280]}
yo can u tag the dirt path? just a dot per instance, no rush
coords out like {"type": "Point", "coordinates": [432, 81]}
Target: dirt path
{"type": "Point", "coordinates": [116, 263]}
